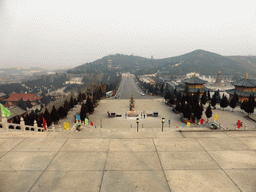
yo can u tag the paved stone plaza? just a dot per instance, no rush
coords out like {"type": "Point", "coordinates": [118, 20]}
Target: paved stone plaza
{"type": "Point", "coordinates": [128, 161]}
{"type": "Point", "coordinates": [117, 158]}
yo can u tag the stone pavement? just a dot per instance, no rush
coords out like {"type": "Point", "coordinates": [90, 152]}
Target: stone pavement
{"type": "Point", "coordinates": [149, 160]}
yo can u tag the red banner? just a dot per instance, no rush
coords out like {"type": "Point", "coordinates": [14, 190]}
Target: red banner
{"type": "Point", "coordinates": [238, 124]}
{"type": "Point", "coordinates": [44, 123]}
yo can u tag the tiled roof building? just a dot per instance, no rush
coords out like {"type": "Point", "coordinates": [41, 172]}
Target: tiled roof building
{"type": "Point", "coordinates": [15, 97]}
{"type": "Point", "coordinates": [194, 84]}
{"type": "Point", "coordinates": [243, 88]}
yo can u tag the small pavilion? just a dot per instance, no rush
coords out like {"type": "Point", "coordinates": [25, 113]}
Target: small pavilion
{"type": "Point", "coordinates": [243, 88]}
{"type": "Point", "coordinates": [193, 84]}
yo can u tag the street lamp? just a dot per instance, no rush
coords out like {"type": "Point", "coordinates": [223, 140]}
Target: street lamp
{"type": "Point", "coordinates": [137, 121]}
{"type": "Point", "coordinates": [169, 121]}
{"type": "Point", "coordinates": [163, 124]}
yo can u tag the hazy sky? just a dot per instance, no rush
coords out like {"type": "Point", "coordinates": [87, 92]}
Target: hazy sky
{"type": "Point", "coordinates": [65, 33]}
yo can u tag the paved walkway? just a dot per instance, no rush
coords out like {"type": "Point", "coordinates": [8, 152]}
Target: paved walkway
{"type": "Point", "coordinates": [118, 158]}
{"type": "Point", "coordinates": [128, 161]}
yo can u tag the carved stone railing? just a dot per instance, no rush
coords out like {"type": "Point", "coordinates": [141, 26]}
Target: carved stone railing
{"type": "Point", "coordinates": [4, 125]}
{"type": "Point", "coordinates": [22, 127]}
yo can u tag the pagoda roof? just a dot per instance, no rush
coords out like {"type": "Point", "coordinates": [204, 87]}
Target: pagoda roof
{"type": "Point", "coordinates": [192, 90]}
{"type": "Point", "coordinates": [241, 93]}
{"type": "Point", "coordinates": [245, 83]}
{"type": "Point", "coordinates": [24, 96]}
{"type": "Point", "coordinates": [194, 80]}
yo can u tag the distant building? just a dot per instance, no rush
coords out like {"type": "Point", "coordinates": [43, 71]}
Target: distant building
{"type": "Point", "coordinates": [218, 81]}
{"type": "Point", "coordinates": [193, 84]}
{"type": "Point", "coordinates": [75, 80]}
{"type": "Point", "coordinates": [110, 64]}
{"type": "Point", "coordinates": [243, 88]}
{"type": "Point", "coordinates": [15, 97]}
{"type": "Point", "coordinates": [2, 95]}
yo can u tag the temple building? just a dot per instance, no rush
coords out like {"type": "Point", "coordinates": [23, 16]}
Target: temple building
{"type": "Point", "coordinates": [15, 97]}
{"type": "Point", "coordinates": [243, 88]}
{"type": "Point", "coordinates": [193, 84]}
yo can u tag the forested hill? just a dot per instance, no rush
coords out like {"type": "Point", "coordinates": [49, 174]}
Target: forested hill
{"type": "Point", "coordinates": [200, 61]}
{"type": "Point", "coordinates": [118, 62]}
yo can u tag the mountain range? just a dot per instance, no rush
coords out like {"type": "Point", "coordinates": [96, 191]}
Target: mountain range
{"type": "Point", "coordinates": [200, 61]}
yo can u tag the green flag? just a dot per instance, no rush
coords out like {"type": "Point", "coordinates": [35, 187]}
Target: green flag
{"type": "Point", "coordinates": [5, 111]}
{"type": "Point", "coordinates": [86, 121]}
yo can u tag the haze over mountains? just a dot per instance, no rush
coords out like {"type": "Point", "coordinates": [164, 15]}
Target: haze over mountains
{"type": "Point", "coordinates": [203, 62]}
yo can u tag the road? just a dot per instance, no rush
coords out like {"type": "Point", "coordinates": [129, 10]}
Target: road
{"type": "Point", "coordinates": [129, 87]}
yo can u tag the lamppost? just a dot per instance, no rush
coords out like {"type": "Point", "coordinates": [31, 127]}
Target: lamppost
{"type": "Point", "coordinates": [163, 124]}
{"type": "Point", "coordinates": [169, 121]}
{"type": "Point", "coordinates": [137, 121]}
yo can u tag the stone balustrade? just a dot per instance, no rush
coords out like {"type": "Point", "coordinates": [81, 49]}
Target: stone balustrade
{"type": "Point", "coordinates": [4, 125]}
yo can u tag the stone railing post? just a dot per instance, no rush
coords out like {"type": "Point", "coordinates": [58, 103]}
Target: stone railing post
{"type": "Point", "coordinates": [4, 123]}
{"type": "Point", "coordinates": [22, 124]}
{"type": "Point", "coordinates": [35, 123]}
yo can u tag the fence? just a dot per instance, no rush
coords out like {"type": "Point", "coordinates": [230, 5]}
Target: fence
{"type": "Point", "coordinates": [4, 125]}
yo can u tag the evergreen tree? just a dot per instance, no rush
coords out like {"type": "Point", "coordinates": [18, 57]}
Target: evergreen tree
{"type": "Point", "coordinates": [94, 99]}
{"type": "Point", "coordinates": [83, 112]}
{"type": "Point", "coordinates": [242, 106]}
{"type": "Point", "coordinates": [166, 89]}
{"type": "Point", "coordinates": [209, 95]}
{"type": "Point", "coordinates": [71, 103]}
{"type": "Point", "coordinates": [217, 94]}
{"type": "Point", "coordinates": [97, 92]}
{"type": "Point", "coordinates": [186, 90]}
{"type": "Point", "coordinates": [171, 99]}
{"type": "Point", "coordinates": [208, 112]}
{"type": "Point", "coordinates": [47, 117]}
{"type": "Point", "coordinates": [175, 92]}
{"type": "Point", "coordinates": [100, 92]}
{"type": "Point", "coordinates": [28, 104]}
{"type": "Point", "coordinates": [31, 118]}
{"type": "Point", "coordinates": [89, 105]}
{"type": "Point", "coordinates": [22, 104]}
{"type": "Point", "coordinates": [178, 97]}
{"type": "Point", "coordinates": [198, 111]}
{"type": "Point", "coordinates": [26, 119]}
{"type": "Point", "coordinates": [187, 111]}
{"type": "Point", "coordinates": [214, 101]}
{"type": "Point", "coordinates": [177, 107]}
{"type": "Point", "coordinates": [16, 120]}
{"type": "Point", "coordinates": [156, 90]}
{"type": "Point", "coordinates": [66, 106]}
{"type": "Point", "coordinates": [80, 97]}
{"type": "Point", "coordinates": [62, 112]}
{"type": "Point", "coordinates": [249, 105]}
{"type": "Point", "coordinates": [162, 89]}
{"type": "Point", "coordinates": [236, 97]}
{"type": "Point", "coordinates": [204, 98]}
{"type": "Point", "coordinates": [75, 102]}
{"type": "Point", "coordinates": [167, 95]}
{"type": "Point", "coordinates": [40, 120]}
{"type": "Point", "coordinates": [224, 102]}
{"type": "Point", "coordinates": [252, 100]}
{"type": "Point", "coordinates": [232, 103]}
{"type": "Point", "coordinates": [198, 94]}
{"type": "Point", "coordinates": [55, 117]}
